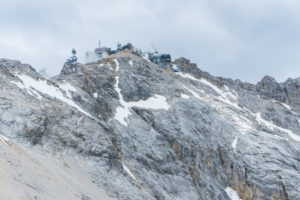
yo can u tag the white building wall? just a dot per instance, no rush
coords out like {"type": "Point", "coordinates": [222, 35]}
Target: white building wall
{"type": "Point", "coordinates": [90, 56]}
{"type": "Point", "coordinates": [104, 54]}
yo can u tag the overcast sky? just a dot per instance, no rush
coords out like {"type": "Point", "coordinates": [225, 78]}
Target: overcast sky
{"type": "Point", "coordinates": [238, 39]}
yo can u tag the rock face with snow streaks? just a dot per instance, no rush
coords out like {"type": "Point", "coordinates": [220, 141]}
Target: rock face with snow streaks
{"type": "Point", "coordinates": [144, 131]}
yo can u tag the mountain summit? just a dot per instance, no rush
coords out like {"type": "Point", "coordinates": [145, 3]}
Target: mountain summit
{"type": "Point", "coordinates": [126, 128]}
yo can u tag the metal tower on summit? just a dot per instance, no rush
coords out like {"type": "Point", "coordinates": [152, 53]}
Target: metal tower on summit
{"type": "Point", "coordinates": [72, 59]}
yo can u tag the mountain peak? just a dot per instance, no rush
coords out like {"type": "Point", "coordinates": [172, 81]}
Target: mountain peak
{"type": "Point", "coordinates": [169, 128]}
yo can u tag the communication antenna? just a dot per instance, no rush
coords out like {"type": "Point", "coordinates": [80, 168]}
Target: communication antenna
{"type": "Point", "coordinates": [119, 45]}
{"type": "Point", "coordinates": [154, 48]}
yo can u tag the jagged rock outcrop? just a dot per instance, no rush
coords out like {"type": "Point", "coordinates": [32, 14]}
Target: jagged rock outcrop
{"type": "Point", "coordinates": [146, 132]}
{"type": "Point", "coordinates": [287, 92]}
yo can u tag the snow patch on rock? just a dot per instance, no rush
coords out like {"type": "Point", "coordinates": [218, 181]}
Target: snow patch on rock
{"type": "Point", "coordinates": [130, 63]}
{"type": "Point", "coordinates": [4, 139]}
{"type": "Point", "coordinates": [67, 87]}
{"type": "Point", "coordinates": [128, 171]}
{"type": "Point", "coordinates": [193, 92]}
{"type": "Point", "coordinates": [176, 68]}
{"type": "Point", "coordinates": [184, 96]}
{"type": "Point", "coordinates": [187, 76]}
{"type": "Point", "coordinates": [95, 95]}
{"type": "Point", "coordinates": [234, 143]}
{"type": "Point", "coordinates": [123, 111]}
{"type": "Point", "coordinates": [232, 194]}
{"type": "Point", "coordinates": [226, 96]}
{"type": "Point", "coordinates": [109, 66]}
{"type": "Point", "coordinates": [286, 106]}
{"type": "Point", "coordinates": [242, 123]}
{"type": "Point", "coordinates": [35, 87]}
{"type": "Point", "coordinates": [272, 126]}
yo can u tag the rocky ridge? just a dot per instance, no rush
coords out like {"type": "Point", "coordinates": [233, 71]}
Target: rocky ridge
{"type": "Point", "coordinates": [142, 131]}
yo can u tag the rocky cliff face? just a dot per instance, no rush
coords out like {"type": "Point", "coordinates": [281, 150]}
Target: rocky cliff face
{"type": "Point", "coordinates": [137, 130]}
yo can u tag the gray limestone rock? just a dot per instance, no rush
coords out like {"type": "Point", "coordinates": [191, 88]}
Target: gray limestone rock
{"type": "Point", "coordinates": [147, 132]}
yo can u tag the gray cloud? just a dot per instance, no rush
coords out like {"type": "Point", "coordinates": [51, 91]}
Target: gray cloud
{"type": "Point", "coordinates": [236, 39]}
